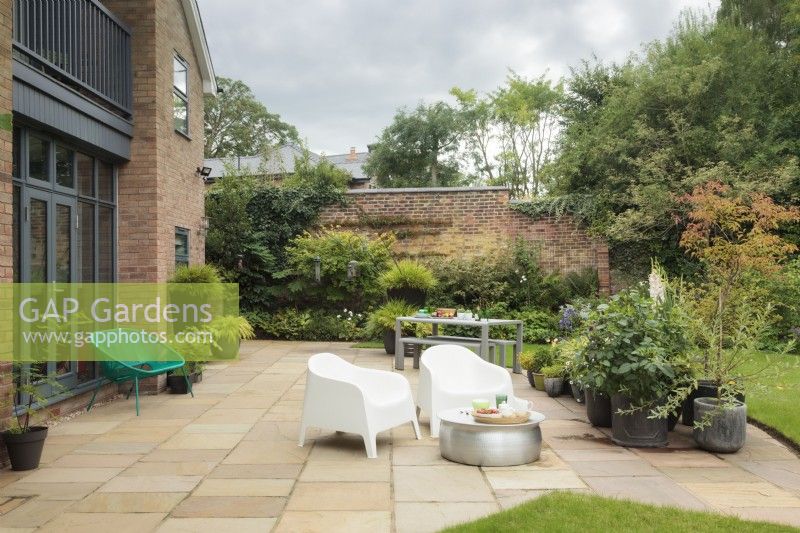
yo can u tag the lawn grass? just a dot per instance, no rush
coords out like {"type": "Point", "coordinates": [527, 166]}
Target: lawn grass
{"type": "Point", "coordinates": [565, 511]}
{"type": "Point", "coordinates": [774, 403]}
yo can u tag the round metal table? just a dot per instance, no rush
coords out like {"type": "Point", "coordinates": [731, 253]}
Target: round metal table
{"type": "Point", "coordinates": [463, 440]}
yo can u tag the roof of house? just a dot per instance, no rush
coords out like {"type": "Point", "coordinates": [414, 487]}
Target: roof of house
{"type": "Point", "coordinates": [200, 44]}
{"type": "Point", "coordinates": [281, 162]}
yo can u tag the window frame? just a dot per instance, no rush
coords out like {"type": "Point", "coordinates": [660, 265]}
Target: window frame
{"type": "Point", "coordinates": [183, 259]}
{"type": "Point", "coordinates": [181, 95]}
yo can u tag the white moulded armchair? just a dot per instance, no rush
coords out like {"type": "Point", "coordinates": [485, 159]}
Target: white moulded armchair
{"type": "Point", "coordinates": [451, 376]}
{"type": "Point", "coordinates": [343, 397]}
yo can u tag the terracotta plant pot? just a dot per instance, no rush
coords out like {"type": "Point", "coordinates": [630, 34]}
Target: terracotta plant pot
{"type": "Point", "coordinates": [25, 449]}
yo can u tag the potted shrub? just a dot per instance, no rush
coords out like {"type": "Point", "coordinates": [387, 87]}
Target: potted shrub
{"type": "Point", "coordinates": [569, 351]}
{"type": "Point", "coordinates": [735, 238]}
{"type": "Point", "coordinates": [636, 343]}
{"type": "Point", "coordinates": [539, 358]}
{"type": "Point", "coordinates": [382, 321]}
{"type": "Point", "coordinates": [408, 281]}
{"type": "Point", "coordinates": [228, 332]}
{"type": "Point", "coordinates": [553, 379]}
{"type": "Point", "coordinates": [592, 377]}
{"type": "Point", "coordinates": [25, 442]}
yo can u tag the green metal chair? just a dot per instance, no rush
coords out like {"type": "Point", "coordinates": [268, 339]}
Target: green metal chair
{"type": "Point", "coordinates": [128, 361]}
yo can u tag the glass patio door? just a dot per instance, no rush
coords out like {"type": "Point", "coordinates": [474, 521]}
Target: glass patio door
{"type": "Point", "coordinates": [49, 235]}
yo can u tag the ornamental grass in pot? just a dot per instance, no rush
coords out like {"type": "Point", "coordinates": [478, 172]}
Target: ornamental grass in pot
{"type": "Point", "coordinates": [25, 441]}
{"type": "Point", "coordinates": [553, 379]}
{"type": "Point", "coordinates": [533, 361]}
{"type": "Point", "coordinates": [408, 281]}
{"type": "Point", "coordinates": [382, 321]}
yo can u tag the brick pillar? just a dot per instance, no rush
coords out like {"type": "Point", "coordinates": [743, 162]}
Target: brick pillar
{"type": "Point", "coordinates": [6, 192]}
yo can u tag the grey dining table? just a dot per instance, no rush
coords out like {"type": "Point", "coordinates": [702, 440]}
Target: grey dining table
{"type": "Point", "coordinates": [483, 324]}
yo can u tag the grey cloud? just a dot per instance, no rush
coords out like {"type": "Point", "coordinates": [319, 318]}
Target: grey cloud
{"type": "Point", "coordinates": [338, 70]}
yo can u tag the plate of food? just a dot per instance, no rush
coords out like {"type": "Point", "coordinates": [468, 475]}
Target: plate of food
{"type": "Point", "coordinates": [498, 416]}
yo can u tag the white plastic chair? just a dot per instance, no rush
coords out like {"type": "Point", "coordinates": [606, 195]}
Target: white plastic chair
{"type": "Point", "coordinates": [451, 376]}
{"type": "Point", "coordinates": [343, 397]}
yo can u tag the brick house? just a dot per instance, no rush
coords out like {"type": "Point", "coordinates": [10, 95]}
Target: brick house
{"type": "Point", "coordinates": [100, 142]}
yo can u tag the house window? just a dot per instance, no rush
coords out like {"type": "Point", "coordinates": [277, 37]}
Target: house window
{"type": "Point", "coordinates": [180, 94]}
{"type": "Point", "coordinates": [181, 247]}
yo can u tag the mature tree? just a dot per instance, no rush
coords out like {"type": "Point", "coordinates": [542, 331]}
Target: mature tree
{"type": "Point", "coordinates": [238, 124]}
{"type": "Point", "coordinates": [418, 148]}
{"type": "Point", "coordinates": [715, 101]}
{"type": "Point", "coordinates": [477, 115]}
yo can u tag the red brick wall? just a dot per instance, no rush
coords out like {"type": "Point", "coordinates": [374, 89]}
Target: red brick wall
{"type": "Point", "coordinates": [467, 223]}
{"type": "Point", "coordinates": [6, 205]}
{"type": "Point", "coordinates": [159, 188]}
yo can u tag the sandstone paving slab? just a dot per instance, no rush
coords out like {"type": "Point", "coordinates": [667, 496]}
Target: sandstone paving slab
{"type": "Point", "coordinates": [767, 514]}
{"type": "Point", "coordinates": [151, 435]}
{"type": "Point", "coordinates": [579, 441]}
{"type": "Point", "coordinates": [737, 494]}
{"type": "Point", "coordinates": [33, 513]}
{"type": "Point", "coordinates": [548, 460]}
{"type": "Point", "coordinates": [346, 447]}
{"type": "Point", "coordinates": [50, 491]}
{"type": "Point", "coordinates": [703, 475]}
{"type": "Point", "coordinates": [511, 498]}
{"type": "Point", "coordinates": [268, 431]}
{"type": "Point", "coordinates": [247, 401]}
{"type": "Point", "coordinates": [188, 468]}
{"type": "Point", "coordinates": [318, 471]}
{"type": "Point", "coordinates": [784, 474]}
{"type": "Point", "coordinates": [428, 517]}
{"type": "Point", "coordinates": [116, 448]}
{"type": "Point", "coordinates": [404, 436]}
{"type": "Point", "coordinates": [253, 453]}
{"type": "Point", "coordinates": [335, 522]}
{"type": "Point", "coordinates": [200, 441]}
{"type": "Point", "coordinates": [613, 453]}
{"type": "Point", "coordinates": [274, 471]}
{"type": "Point", "coordinates": [244, 487]}
{"type": "Point", "coordinates": [229, 507]}
{"type": "Point", "coordinates": [216, 428]}
{"type": "Point", "coordinates": [665, 457]}
{"type": "Point", "coordinates": [418, 455]}
{"type": "Point", "coordinates": [440, 484]}
{"type": "Point", "coordinates": [533, 479]}
{"type": "Point", "coordinates": [217, 525]}
{"type": "Point", "coordinates": [100, 522]}
{"type": "Point", "coordinates": [166, 456]}
{"type": "Point", "coordinates": [72, 475]}
{"type": "Point", "coordinates": [52, 452]}
{"type": "Point", "coordinates": [353, 496]}
{"type": "Point", "coordinates": [155, 483]}
{"type": "Point", "coordinates": [656, 490]}
{"type": "Point", "coordinates": [772, 451]}
{"type": "Point", "coordinates": [221, 388]}
{"type": "Point", "coordinates": [613, 468]}
{"type": "Point", "coordinates": [95, 461]}
{"type": "Point", "coordinates": [230, 416]}
{"type": "Point", "coordinates": [83, 428]}
{"type": "Point", "coordinates": [129, 502]}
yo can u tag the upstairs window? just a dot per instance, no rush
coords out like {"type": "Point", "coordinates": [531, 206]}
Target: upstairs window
{"type": "Point", "coordinates": [180, 94]}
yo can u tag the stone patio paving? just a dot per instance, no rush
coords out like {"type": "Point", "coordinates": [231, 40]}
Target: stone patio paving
{"type": "Point", "coordinates": [228, 460]}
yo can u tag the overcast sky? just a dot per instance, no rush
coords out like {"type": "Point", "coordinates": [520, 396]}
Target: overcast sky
{"type": "Point", "coordinates": [338, 69]}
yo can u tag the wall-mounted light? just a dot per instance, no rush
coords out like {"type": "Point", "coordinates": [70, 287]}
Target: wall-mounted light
{"type": "Point", "coordinates": [317, 269]}
{"type": "Point", "coordinates": [204, 172]}
{"type": "Point", "coordinates": [204, 225]}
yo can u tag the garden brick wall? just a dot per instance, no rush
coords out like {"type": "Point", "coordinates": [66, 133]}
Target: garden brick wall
{"type": "Point", "coordinates": [467, 222]}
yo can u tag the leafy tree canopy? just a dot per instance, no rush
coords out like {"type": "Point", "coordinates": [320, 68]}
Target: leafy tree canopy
{"type": "Point", "coordinates": [238, 124]}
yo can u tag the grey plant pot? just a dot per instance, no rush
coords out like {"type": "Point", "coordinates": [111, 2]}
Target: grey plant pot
{"type": "Point", "coordinates": [636, 430]}
{"type": "Point", "coordinates": [553, 386]}
{"type": "Point", "coordinates": [577, 391]}
{"type": "Point", "coordinates": [728, 430]}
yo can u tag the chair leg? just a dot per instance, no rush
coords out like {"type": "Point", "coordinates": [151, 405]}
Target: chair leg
{"type": "Point", "coordinates": [502, 356]}
{"type": "Point", "coordinates": [128, 396]}
{"type": "Point", "coordinates": [136, 386]}
{"type": "Point", "coordinates": [94, 395]}
{"type": "Point", "coordinates": [415, 423]}
{"type": "Point", "coordinates": [188, 384]}
{"type": "Point", "coordinates": [371, 444]}
{"type": "Point", "coordinates": [302, 440]}
{"type": "Point", "coordinates": [434, 426]}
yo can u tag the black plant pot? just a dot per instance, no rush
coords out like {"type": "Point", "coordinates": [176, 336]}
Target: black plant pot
{"type": "Point", "coordinates": [25, 449]}
{"type": "Point", "coordinates": [530, 377]}
{"type": "Point", "coordinates": [727, 429]}
{"type": "Point", "coordinates": [598, 408]}
{"type": "Point", "coordinates": [415, 297]}
{"type": "Point", "coordinates": [196, 377]}
{"type": "Point", "coordinates": [636, 430]}
{"type": "Point", "coordinates": [672, 421]}
{"type": "Point", "coordinates": [388, 341]}
{"type": "Point", "coordinates": [577, 391]}
{"type": "Point", "coordinates": [553, 386]}
{"type": "Point", "coordinates": [705, 389]}
{"type": "Point", "coordinates": [177, 383]}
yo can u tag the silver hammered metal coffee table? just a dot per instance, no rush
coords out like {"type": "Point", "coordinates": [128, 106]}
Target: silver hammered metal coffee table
{"type": "Point", "coordinates": [463, 440]}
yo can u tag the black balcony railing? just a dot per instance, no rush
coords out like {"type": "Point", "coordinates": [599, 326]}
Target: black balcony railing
{"type": "Point", "coordinates": [79, 42]}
